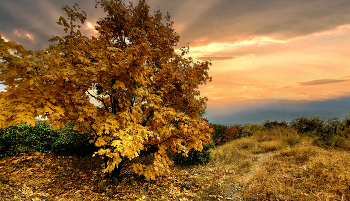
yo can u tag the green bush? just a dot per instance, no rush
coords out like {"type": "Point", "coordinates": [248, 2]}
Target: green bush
{"type": "Point", "coordinates": [23, 138]}
{"type": "Point", "coordinates": [326, 133]}
{"type": "Point", "coordinates": [344, 130]}
{"type": "Point", "coordinates": [306, 125]}
{"type": "Point", "coordinates": [274, 124]}
{"type": "Point", "coordinates": [194, 157]}
{"type": "Point", "coordinates": [73, 143]}
{"type": "Point", "coordinates": [43, 138]}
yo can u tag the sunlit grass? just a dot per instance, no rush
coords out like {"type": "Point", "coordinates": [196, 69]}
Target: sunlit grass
{"type": "Point", "coordinates": [279, 164]}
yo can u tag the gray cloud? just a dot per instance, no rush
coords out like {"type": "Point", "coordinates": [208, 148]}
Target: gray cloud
{"type": "Point", "coordinates": [232, 20]}
{"type": "Point", "coordinates": [38, 19]}
{"type": "Point", "coordinates": [197, 22]}
{"type": "Point", "coordinates": [321, 81]}
{"type": "Point", "coordinates": [276, 110]}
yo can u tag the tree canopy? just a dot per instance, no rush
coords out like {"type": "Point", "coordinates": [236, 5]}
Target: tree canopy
{"type": "Point", "coordinates": [131, 71]}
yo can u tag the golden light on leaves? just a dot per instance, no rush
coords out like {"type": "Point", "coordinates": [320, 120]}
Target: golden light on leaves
{"type": "Point", "coordinates": [130, 70]}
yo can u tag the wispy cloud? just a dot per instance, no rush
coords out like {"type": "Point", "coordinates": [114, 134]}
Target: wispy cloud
{"type": "Point", "coordinates": [215, 58]}
{"type": "Point", "coordinates": [321, 81]}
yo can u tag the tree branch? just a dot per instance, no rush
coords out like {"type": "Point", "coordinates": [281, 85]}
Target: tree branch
{"type": "Point", "coordinates": [147, 118]}
{"type": "Point", "coordinates": [104, 104]}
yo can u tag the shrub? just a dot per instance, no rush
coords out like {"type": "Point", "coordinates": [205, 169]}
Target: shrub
{"type": "Point", "coordinates": [344, 130]}
{"type": "Point", "coordinates": [322, 131]}
{"type": "Point", "coordinates": [194, 157]}
{"type": "Point", "coordinates": [341, 142]}
{"type": "Point", "coordinates": [273, 124]}
{"type": "Point", "coordinates": [249, 129]}
{"type": "Point", "coordinates": [324, 135]}
{"type": "Point", "coordinates": [43, 138]}
{"type": "Point", "coordinates": [232, 132]}
{"type": "Point", "coordinates": [73, 143]}
{"type": "Point", "coordinates": [23, 138]}
{"type": "Point", "coordinates": [217, 135]}
{"type": "Point", "coordinates": [308, 125]}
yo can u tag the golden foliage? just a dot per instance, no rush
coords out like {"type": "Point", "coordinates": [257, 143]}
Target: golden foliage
{"type": "Point", "coordinates": [130, 69]}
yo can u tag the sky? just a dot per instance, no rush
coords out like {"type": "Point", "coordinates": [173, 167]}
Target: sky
{"type": "Point", "coordinates": [271, 59]}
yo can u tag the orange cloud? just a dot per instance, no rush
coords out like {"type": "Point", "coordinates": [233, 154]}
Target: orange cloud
{"type": "Point", "coordinates": [315, 67]}
{"type": "Point", "coordinates": [91, 29]}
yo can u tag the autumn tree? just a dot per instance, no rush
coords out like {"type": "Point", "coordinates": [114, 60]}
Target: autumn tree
{"type": "Point", "coordinates": [130, 70]}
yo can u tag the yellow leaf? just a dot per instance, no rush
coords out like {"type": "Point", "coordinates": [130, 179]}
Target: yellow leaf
{"type": "Point", "coordinates": [100, 142]}
{"type": "Point", "coordinates": [31, 123]}
{"type": "Point", "coordinates": [56, 125]}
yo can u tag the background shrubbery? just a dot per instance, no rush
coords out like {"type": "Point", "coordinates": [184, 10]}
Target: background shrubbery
{"type": "Point", "coordinates": [222, 134]}
{"type": "Point", "coordinates": [23, 138]}
{"type": "Point", "coordinates": [326, 133]}
{"type": "Point", "coordinates": [330, 133]}
{"type": "Point", "coordinates": [194, 157]}
{"type": "Point", "coordinates": [43, 138]}
{"type": "Point", "coordinates": [65, 141]}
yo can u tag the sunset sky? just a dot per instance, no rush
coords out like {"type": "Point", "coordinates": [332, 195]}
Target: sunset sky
{"type": "Point", "coordinates": [272, 59]}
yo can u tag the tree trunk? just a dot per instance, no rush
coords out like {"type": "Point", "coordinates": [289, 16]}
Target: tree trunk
{"type": "Point", "coordinates": [116, 172]}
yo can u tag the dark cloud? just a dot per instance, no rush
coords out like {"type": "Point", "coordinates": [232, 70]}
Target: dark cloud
{"type": "Point", "coordinates": [37, 19]}
{"type": "Point", "coordinates": [232, 20]}
{"type": "Point", "coordinates": [277, 110]}
{"type": "Point", "coordinates": [218, 21]}
{"type": "Point", "coordinates": [321, 81]}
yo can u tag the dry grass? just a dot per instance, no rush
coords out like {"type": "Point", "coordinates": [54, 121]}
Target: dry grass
{"type": "Point", "coordinates": [301, 173]}
{"type": "Point", "coordinates": [270, 165]}
{"type": "Point", "coordinates": [342, 142]}
{"type": "Point", "coordinates": [281, 165]}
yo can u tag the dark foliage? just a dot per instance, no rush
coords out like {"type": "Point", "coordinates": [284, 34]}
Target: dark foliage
{"type": "Point", "coordinates": [324, 132]}
{"type": "Point", "coordinates": [194, 157]}
{"type": "Point", "coordinates": [232, 132]}
{"type": "Point", "coordinates": [273, 124]}
{"type": "Point", "coordinates": [43, 138]}
{"type": "Point", "coordinates": [217, 135]}
{"type": "Point", "coordinates": [73, 143]}
{"type": "Point", "coordinates": [23, 138]}
{"type": "Point", "coordinates": [307, 125]}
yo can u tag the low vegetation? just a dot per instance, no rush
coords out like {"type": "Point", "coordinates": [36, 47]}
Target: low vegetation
{"type": "Point", "coordinates": [307, 159]}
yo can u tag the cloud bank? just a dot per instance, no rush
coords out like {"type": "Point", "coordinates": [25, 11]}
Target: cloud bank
{"type": "Point", "coordinates": [265, 54]}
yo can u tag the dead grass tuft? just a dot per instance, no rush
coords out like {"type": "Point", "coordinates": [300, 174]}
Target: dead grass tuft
{"type": "Point", "coordinates": [341, 142]}
{"type": "Point", "coordinates": [291, 139]}
{"type": "Point", "coordinates": [281, 165]}
{"type": "Point", "coordinates": [302, 173]}
{"type": "Point", "coordinates": [269, 146]}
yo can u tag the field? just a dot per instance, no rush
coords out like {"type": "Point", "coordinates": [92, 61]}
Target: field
{"type": "Point", "coordinates": [276, 164]}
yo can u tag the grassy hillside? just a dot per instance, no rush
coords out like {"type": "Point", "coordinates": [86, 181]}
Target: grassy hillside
{"type": "Point", "coordinates": [279, 164]}
{"type": "Point", "coordinates": [275, 163]}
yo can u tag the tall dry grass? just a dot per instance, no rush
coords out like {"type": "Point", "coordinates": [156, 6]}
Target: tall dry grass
{"type": "Point", "coordinates": [281, 165]}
